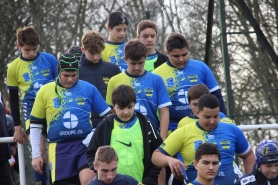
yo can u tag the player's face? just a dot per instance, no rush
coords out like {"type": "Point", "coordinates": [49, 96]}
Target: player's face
{"type": "Point", "coordinates": [194, 105]}
{"type": "Point", "coordinates": [94, 58]}
{"type": "Point", "coordinates": [148, 37]}
{"type": "Point", "coordinates": [117, 34]}
{"type": "Point", "coordinates": [68, 78]}
{"type": "Point", "coordinates": [270, 170]}
{"type": "Point", "coordinates": [208, 118]}
{"type": "Point", "coordinates": [106, 171]}
{"type": "Point", "coordinates": [124, 113]}
{"type": "Point", "coordinates": [207, 167]}
{"type": "Point", "coordinates": [178, 57]}
{"type": "Point", "coordinates": [29, 51]}
{"type": "Point", "coordinates": [136, 68]}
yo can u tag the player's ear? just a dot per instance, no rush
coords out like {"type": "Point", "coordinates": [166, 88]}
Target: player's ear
{"type": "Point", "coordinates": [195, 164]}
{"type": "Point", "coordinates": [95, 165]}
{"type": "Point", "coordinates": [83, 49]}
{"type": "Point", "coordinates": [18, 45]}
{"type": "Point", "coordinates": [108, 28]}
{"type": "Point", "coordinates": [197, 112]}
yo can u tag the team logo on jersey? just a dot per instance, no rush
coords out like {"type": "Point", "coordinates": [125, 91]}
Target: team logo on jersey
{"type": "Point", "coordinates": [80, 101]}
{"type": "Point", "coordinates": [26, 77]}
{"type": "Point", "coordinates": [225, 144]}
{"type": "Point", "coordinates": [70, 121]}
{"type": "Point", "coordinates": [45, 72]}
{"type": "Point", "coordinates": [126, 157]}
{"type": "Point", "coordinates": [197, 144]}
{"type": "Point", "coordinates": [56, 103]}
{"type": "Point", "coordinates": [105, 80]}
{"type": "Point", "coordinates": [149, 92]}
{"type": "Point", "coordinates": [193, 78]}
{"type": "Point", "coordinates": [170, 82]}
{"type": "Point", "coordinates": [183, 96]}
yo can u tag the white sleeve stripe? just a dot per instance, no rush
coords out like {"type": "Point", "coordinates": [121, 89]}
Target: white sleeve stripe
{"type": "Point", "coordinates": [165, 105]}
{"type": "Point", "coordinates": [214, 89]}
{"type": "Point", "coordinates": [153, 130]}
{"type": "Point", "coordinates": [246, 151]}
{"type": "Point", "coordinates": [104, 112]}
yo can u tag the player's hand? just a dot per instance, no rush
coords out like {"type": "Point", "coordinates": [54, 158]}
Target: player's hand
{"type": "Point", "coordinates": [19, 135]}
{"type": "Point", "coordinates": [175, 166]}
{"type": "Point", "coordinates": [37, 164]}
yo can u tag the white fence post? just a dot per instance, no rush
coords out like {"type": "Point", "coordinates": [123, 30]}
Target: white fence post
{"type": "Point", "coordinates": [258, 127]}
{"type": "Point", "coordinates": [21, 161]}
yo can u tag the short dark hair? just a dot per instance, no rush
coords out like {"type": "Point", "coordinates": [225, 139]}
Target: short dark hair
{"type": "Point", "coordinates": [116, 18]}
{"type": "Point", "coordinates": [209, 101]}
{"type": "Point", "coordinates": [207, 149]}
{"type": "Point", "coordinates": [106, 154]}
{"type": "Point", "coordinates": [76, 51]}
{"type": "Point", "coordinates": [144, 24]}
{"type": "Point", "coordinates": [135, 50]}
{"type": "Point", "coordinates": [123, 95]}
{"type": "Point", "coordinates": [27, 35]}
{"type": "Point", "coordinates": [175, 41]}
{"type": "Point", "coordinates": [196, 91]}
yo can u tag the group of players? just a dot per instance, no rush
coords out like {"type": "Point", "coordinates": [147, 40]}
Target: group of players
{"type": "Point", "coordinates": [133, 98]}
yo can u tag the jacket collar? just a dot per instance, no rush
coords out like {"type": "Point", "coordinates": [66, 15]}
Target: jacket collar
{"type": "Point", "coordinates": [86, 62]}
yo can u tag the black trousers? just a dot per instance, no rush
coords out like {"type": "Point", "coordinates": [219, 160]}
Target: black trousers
{"type": "Point", "coordinates": [5, 173]}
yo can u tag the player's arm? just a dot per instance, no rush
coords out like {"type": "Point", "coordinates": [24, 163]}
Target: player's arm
{"type": "Point", "coordinates": [35, 138]}
{"type": "Point", "coordinates": [162, 160]}
{"type": "Point", "coordinates": [19, 135]}
{"type": "Point", "coordinates": [218, 94]}
{"type": "Point", "coordinates": [248, 161]}
{"type": "Point", "coordinates": [164, 102]}
{"type": "Point", "coordinates": [96, 141]}
{"type": "Point", "coordinates": [244, 150]}
{"type": "Point", "coordinates": [161, 157]}
{"type": "Point", "coordinates": [110, 88]}
{"type": "Point", "coordinates": [164, 121]}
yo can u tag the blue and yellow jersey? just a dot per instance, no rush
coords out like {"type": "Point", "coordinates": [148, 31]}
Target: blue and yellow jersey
{"type": "Point", "coordinates": [68, 116]}
{"type": "Point", "coordinates": [228, 138]}
{"type": "Point", "coordinates": [151, 93]}
{"type": "Point", "coordinates": [128, 144]}
{"type": "Point", "coordinates": [178, 81]}
{"type": "Point", "coordinates": [192, 119]}
{"type": "Point", "coordinates": [114, 52]}
{"type": "Point", "coordinates": [30, 75]}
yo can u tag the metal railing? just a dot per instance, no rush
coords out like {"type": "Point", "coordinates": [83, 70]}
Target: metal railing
{"type": "Point", "coordinates": [21, 160]}
{"type": "Point", "coordinates": [258, 127]}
